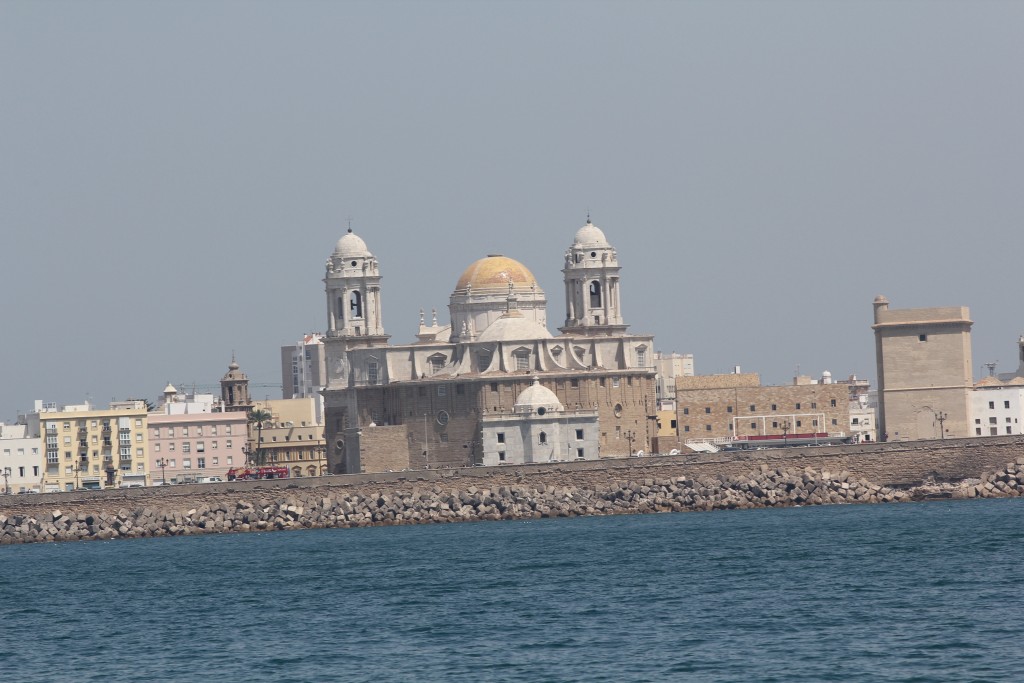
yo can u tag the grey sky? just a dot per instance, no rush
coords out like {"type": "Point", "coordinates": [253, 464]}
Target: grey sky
{"type": "Point", "coordinates": [174, 175]}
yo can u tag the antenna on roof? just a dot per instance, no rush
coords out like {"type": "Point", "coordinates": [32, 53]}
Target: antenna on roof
{"type": "Point", "coordinates": [991, 368]}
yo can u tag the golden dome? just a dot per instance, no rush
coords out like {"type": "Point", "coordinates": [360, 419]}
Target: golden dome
{"type": "Point", "coordinates": [495, 272]}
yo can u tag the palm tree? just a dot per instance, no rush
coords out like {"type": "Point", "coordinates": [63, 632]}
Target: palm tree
{"type": "Point", "coordinates": [259, 417]}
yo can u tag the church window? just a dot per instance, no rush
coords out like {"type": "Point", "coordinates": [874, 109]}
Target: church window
{"type": "Point", "coordinates": [641, 358]}
{"type": "Point", "coordinates": [437, 362]}
{"type": "Point", "coordinates": [595, 294]}
{"type": "Point", "coordinates": [522, 360]}
{"type": "Point", "coordinates": [372, 372]}
{"type": "Point", "coordinates": [355, 304]}
{"type": "Point", "coordinates": [543, 437]}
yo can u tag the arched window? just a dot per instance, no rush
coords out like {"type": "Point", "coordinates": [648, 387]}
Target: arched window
{"type": "Point", "coordinates": [595, 294]}
{"type": "Point", "coordinates": [543, 437]}
{"type": "Point", "coordinates": [355, 304]}
{"type": "Point", "coordinates": [340, 305]}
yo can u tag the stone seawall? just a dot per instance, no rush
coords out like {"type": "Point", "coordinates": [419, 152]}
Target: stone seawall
{"type": "Point", "coordinates": [807, 476]}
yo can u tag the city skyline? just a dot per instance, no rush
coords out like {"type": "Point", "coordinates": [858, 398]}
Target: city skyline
{"type": "Point", "coordinates": [763, 171]}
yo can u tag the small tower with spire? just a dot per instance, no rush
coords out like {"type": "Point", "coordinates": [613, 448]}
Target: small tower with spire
{"type": "Point", "coordinates": [234, 389]}
{"type": "Point", "coordinates": [591, 274]}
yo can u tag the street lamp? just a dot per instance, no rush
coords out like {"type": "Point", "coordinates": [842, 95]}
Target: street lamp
{"type": "Point", "coordinates": [7, 473]}
{"type": "Point", "coordinates": [162, 464]}
{"type": "Point", "coordinates": [785, 433]}
{"type": "Point", "coordinates": [941, 417]}
{"type": "Point", "coordinates": [629, 437]}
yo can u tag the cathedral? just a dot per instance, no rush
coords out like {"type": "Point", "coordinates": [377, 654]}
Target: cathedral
{"type": "Point", "coordinates": [493, 386]}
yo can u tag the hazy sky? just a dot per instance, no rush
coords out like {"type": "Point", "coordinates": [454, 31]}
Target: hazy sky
{"type": "Point", "coordinates": [173, 176]}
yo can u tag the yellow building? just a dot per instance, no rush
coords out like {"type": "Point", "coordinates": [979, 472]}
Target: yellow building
{"type": "Point", "coordinates": [88, 448]}
{"type": "Point", "coordinates": [292, 436]}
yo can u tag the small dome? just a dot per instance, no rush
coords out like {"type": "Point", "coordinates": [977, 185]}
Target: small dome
{"type": "Point", "coordinates": [351, 245]}
{"type": "Point", "coordinates": [495, 272]}
{"type": "Point", "coordinates": [513, 327]}
{"type": "Point", "coordinates": [590, 236]}
{"type": "Point", "coordinates": [537, 396]}
{"type": "Point", "coordinates": [169, 389]}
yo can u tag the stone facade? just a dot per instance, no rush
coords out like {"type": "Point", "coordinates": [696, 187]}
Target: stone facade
{"type": "Point", "coordinates": [744, 411]}
{"type": "Point", "coordinates": [923, 358]}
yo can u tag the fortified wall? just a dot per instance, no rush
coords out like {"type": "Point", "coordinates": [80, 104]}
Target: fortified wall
{"type": "Point", "coordinates": [821, 475]}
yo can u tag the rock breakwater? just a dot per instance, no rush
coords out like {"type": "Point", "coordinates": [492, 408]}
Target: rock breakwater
{"type": "Point", "coordinates": [401, 503]}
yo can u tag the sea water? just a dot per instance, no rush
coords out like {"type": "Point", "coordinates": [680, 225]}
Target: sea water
{"type": "Point", "coordinates": [911, 592]}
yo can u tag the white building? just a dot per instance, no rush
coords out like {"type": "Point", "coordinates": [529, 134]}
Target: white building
{"type": "Point", "coordinates": [997, 409]}
{"type": "Point", "coordinates": [539, 429]}
{"type": "Point", "coordinates": [304, 368]}
{"type": "Point", "coordinates": [21, 460]}
{"type": "Point", "coordinates": [669, 366]}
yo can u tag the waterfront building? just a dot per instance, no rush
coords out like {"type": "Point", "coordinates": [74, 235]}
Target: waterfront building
{"type": "Point", "coordinates": [92, 448]}
{"type": "Point", "coordinates": [292, 436]}
{"type": "Point", "coordinates": [426, 404]}
{"type": "Point", "coordinates": [668, 366]}
{"type": "Point", "coordinates": [923, 358]}
{"type": "Point", "coordinates": [736, 410]}
{"type": "Point", "coordinates": [997, 407]}
{"type": "Point", "coordinates": [192, 437]}
{"type": "Point", "coordinates": [21, 459]}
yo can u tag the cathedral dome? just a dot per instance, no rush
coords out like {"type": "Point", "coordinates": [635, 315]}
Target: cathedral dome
{"type": "Point", "coordinates": [511, 327]}
{"type": "Point", "coordinates": [496, 272]}
{"type": "Point", "coordinates": [537, 398]}
{"type": "Point", "coordinates": [351, 245]}
{"type": "Point", "coordinates": [590, 236]}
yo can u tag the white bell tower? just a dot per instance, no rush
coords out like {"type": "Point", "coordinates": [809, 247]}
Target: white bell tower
{"type": "Point", "coordinates": [592, 305]}
{"type": "Point", "coordinates": [353, 294]}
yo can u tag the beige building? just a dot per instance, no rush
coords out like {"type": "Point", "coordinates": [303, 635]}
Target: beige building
{"type": "Point", "coordinates": [735, 410]}
{"type": "Point", "coordinates": [293, 437]}
{"type": "Point", "coordinates": [89, 448]}
{"type": "Point", "coordinates": [923, 358]}
{"type": "Point", "coordinates": [424, 404]}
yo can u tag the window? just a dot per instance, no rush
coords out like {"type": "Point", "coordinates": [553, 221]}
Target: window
{"type": "Point", "coordinates": [1009, 430]}
{"type": "Point", "coordinates": [187, 463]}
{"type": "Point", "coordinates": [835, 421]}
{"type": "Point", "coordinates": [170, 432]}
{"type": "Point", "coordinates": [442, 389]}
{"type": "Point", "coordinates": [522, 361]}
{"type": "Point", "coordinates": [615, 382]}
{"type": "Point", "coordinates": [707, 428]}
{"type": "Point", "coordinates": [595, 294]}
{"type": "Point", "coordinates": [138, 453]}
{"type": "Point", "coordinates": [184, 431]}
{"type": "Point", "coordinates": [213, 430]}
{"type": "Point", "coordinates": [186, 447]}
{"type": "Point", "coordinates": [991, 405]}
{"type": "Point", "coordinates": [814, 405]}
{"type": "Point", "coordinates": [200, 447]}
{"type": "Point", "coordinates": [574, 383]}
{"type": "Point", "coordinates": [992, 420]}
{"type": "Point", "coordinates": [993, 431]}
{"type": "Point", "coordinates": [444, 437]}
{"type": "Point", "coordinates": [641, 357]}
{"type": "Point", "coordinates": [1007, 419]}
{"type": "Point", "coordinates": [494, 386]}
{"type": "Point", "coordinates": [501, 456]}
{"type": "Point", "coordinates": [460, 389]}
{"type": "Point", "coordinates": [579, 453]}
{"type": "Point", "coordinates": [543, 437]}
{"type": "Point", "coordinates": [227, 444]}
{"type": "Point", "coordinates": [798, 423]}
{"type": "Point", "coordinates": [213, 445]}
{"type": "Point", "coordinates": [686, 428]}
{"type": "Point", "coordinates": [156, 447]}
{"type": "Point", "coordinates": [753, 407]}
{"type": "Point", "coordinates": [579, 435]}
{"type": "Point", "coordinates": [922, 337]}
{"type": "Point", "coordinates": [173, 463]}
{"type": "Point", "coordinates": [228, 460]}
{"type": "Point", "coordinates": [199, 430]}
{"type": "Point", "coordinates": [1006, 404]}
{"type": "Point", "coordinates": [201, 463]}
{"type": "Point", "coordinates": [773, 406]}
{"type": "Point", "coordinates": [728, 409]}
{"type": "Point", "coordinates": [227, 429]}
{"type": "Point", "coordinates": [501, 437]}
{"type": "Point", "coordinates": [707, 410]}
{"type": "Point", "coordinates": [775, 425]}
{"type": "Point", "coordinates": [798, 406]}
{"type": "Point", "coordinates": [138, 438]}
{"type": "Point", "coordinates": [371, 372]}
{"type": "Point", "coordinates": [833, 404]}
{"type": "Point", "coordinates": [753, 425]}
{"type": "Point", "coordinates": [138, 422]}
{"type": "Point", "coordinates": [216, 461]}
{"type": "Point", "coordinates": [686, 411]}
{"type": "Point", "coordinates": [156, 432]}
{"type": "Point", "coordinates": [977, 431]}
{"type": "Point", "coordinates": [674, 424]}
{"type": "Point", "coordinates": [977, 420]}
{"type": "Point", "coordinates": [814, 423]}
{"type": "Point", "coordinates": [170, 446]}
{"type": "Point", "coordinates": [856, 421]}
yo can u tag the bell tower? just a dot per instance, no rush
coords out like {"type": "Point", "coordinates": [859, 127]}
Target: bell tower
{"type": "Point", "coordinates": [353, 294]}
{"type": "Point", "coordinates": [591, 276]}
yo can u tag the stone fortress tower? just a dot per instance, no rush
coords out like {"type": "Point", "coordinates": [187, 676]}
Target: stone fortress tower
{"type": "Point", "coordinates": [448, 398]}
{"type": "Point", "coordinates": [923, 358]}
